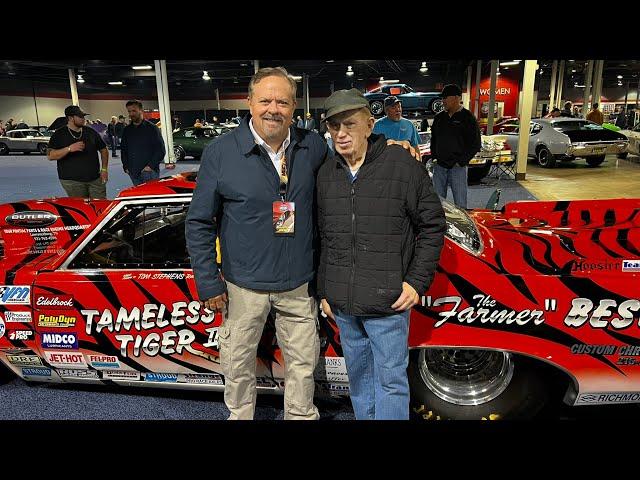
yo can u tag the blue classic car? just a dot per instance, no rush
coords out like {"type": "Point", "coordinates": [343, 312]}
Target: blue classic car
{"type": "Point", "coordinates": [427, 102]}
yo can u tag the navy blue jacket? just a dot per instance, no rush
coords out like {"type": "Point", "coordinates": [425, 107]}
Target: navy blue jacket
{"type": "Point", "coordinates": [142, 146]}
{"type": "Point", "coordinates": [236, 187]}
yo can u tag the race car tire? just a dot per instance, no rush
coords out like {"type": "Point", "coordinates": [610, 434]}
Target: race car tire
{"type": "Point", "coordinates": [4, 150]}
{"type": "Point", "coordinates": [377, 107]}
{"type": "Point", "coordinates": [475, 174]}
{"type": "Point", "coordinates": [42, 148]}
{"type": "Point", "coordinates": [545, 157]}
{"type": "Point", "coordinates": [623, 155]}
{"type": "Point", "coordinates": [595, 161]}
{"type": "Point", "coordinates": [522, 394]}
{"type": "Point", "coordinates": [179, 153]}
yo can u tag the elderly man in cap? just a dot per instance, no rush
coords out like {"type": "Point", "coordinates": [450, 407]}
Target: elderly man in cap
{"type": "Point", "coordinates": [455, 139]}
{"type": "Point", "coordinates": [381, 228]}
{"type": "Point", "coordinates": [395, 127]}
{"type": "Point", "coordinates": [75, 149]}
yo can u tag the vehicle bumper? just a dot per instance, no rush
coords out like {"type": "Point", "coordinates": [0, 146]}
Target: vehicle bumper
{"type": "Point", "coordinates": [586, 150]}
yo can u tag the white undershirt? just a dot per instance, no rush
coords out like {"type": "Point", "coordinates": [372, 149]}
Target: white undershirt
{"type": "Point", "coordinates": [275, 157]}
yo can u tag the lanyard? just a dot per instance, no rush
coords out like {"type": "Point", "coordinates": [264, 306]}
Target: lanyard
{"type": "Point", "coordinates": [284, 177]}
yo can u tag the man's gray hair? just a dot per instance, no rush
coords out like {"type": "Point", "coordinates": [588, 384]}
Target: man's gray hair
{"type": "Point", "coordinates": [272, 72]}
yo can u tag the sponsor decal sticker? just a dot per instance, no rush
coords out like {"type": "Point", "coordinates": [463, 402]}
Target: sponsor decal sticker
{"type": "Point", "coordinates": [19, 335]}
{"type": "Point", "coordinates": [62, 320]}
{"type": "Point", "coordinates": [59, 340]}
{"type": "Point", "coordinates": [160, 377]}
{"type": "Point", "coordinates": [2, 327]}
{"type": "Point", "coordinates": [333, 369]}
{"type": "Point", "coordinates": [14, 350]}
{"type": "Point", "coordinates": [202, 378]}
{"type": "Point", "coordinates": [265, 382]}
{"type": "Point", "coordinates": [120, 375]}
{"type": "Point", "coordinates": [36, 372]}
{"type": "Point", "coordinates": [585, 266]}
{"type": "Point", "coordinates": [631, 265]}
{"type": "Point", "coordinates": [15, 294]}
{"type": "Point", "coordinates": [24, 360]}
{"type": "Point", "coordinates": [607, 312]}
{"type": "Point", "coordinates": [23, 317]}
{"type": "Point", "coordinates": [104, 362]}
{"type": "Point", "coordinates": [58, 301]}
{"type": "Point", "coordinates": [33, 218]}
{"type": "Point", "coordinates": [608, 397]}
{"type": "Point", "coordinates": [158, 276]}
{"type": "Point", "coordinates": [76, 373]}
{"type": "Point", "coordinates": [66, 359]}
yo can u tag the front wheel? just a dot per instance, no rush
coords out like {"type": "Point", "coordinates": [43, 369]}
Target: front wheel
{"type": "Point", "coordinates": [4, 150]}
{"type": "Point", "coordinates": [545, 157]}
{"type": "Point", "coordinates": [179, 153]}
{"type": "Point", "coordinates": [377, 107]}
{"type": "Point", "coordinates": [42, 148]}
{"type": "Point", "coordinates": [464, 384]}
{"type": "Point", "coordinates": [595, 161]}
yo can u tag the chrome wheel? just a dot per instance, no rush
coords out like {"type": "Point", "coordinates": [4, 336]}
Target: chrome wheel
{"type": "Point", "coordinates": [377, 107]}
{"type": "Point", "coordinates": [465, 377]}
{"type": "Point", "coordinates": [179, 153]}
{"type": "Point", "coordinates": [3, 149]}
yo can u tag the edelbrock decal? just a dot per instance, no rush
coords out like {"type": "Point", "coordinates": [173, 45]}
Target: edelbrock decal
{"type": "Point", "coordinates": [58, 301]}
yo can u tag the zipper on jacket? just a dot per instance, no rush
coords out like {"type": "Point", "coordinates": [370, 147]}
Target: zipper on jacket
{"type": "Point", "coordinates": [353, 247]}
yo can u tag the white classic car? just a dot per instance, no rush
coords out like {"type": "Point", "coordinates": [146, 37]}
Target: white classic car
{"type": "Point", "coordinates": [564, 138]}
{"type": "Point", "coordinates": [634, 141]}
{"type": "Point", "coordinates": [23, 140]}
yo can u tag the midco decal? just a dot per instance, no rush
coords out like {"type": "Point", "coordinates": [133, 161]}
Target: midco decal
{"type": "Point", "coordinates": [14, 294]}
{"type": "Point", "coordinates": [45, 320]}
{"type": "Point", "coordinates": [60, 340]}
{"type": "Point", "coordinates": [152, 316]}
{"type": "Point", "coordinates": [33, 218]}
{"type": "Point", "coordinates": [582, 309]}
{"type": "Point", "coordinates": [485, 311]}
{"type": "Point", "coordinates": [58, 301]}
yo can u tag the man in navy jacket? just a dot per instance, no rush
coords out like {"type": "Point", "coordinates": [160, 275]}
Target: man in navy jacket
{"type": "Point", "coordinates": [255, 190]}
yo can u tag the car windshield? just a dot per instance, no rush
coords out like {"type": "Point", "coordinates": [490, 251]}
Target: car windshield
{"type": "Point", "coordinates": [573, 125]}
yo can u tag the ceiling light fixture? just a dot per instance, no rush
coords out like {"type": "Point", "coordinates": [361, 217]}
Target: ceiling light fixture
{"type": "Point", "coordinates": [330, 61]}
{"type": "Point", "coordinates": [619, 77]}
{"type": "Point", "coordinates": [205, 75]}
{"type": "Point", "coordinates": [297, 78]}
{"type": "Point", "coordinates": [350, 71]}
{"type": "Point", "coordinates": [142, 67]}
{"type": "Point", "coordinates": [424, 68]}
{"type": "Point", "coordinates": [115, 83]}
{"type": "Point", "coordinates": [511, 63]}
{"type": "Point", "coordinates": [386, 82]}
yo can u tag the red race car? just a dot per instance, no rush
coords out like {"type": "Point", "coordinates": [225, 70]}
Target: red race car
{"type": "Point", "coordinates": [535, 301]}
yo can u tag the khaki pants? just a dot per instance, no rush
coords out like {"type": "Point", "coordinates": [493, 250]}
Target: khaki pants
{"type": "Point", "coordinates": [297, 333]}
{"type": "Point", "coordinates": [93, 189]}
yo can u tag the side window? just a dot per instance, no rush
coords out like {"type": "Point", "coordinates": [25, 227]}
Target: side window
{"type": "Point", "coordinates": [139, 236]}
{"type": "Point", "coordinates": [395, 91]}
{"type": "Point", "coordinates": [17, 135]}
{"type": "Point", "coordinates": [535, 128]}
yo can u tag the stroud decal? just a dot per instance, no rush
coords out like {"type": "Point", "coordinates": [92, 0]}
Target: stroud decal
{"type": "Point", "coordinates": [59, 340]}
{"type": "Point", "coordinates": [15, 294]}
{"type": "Point", "coordinates": [77, 373]}
{"type": "Point", "coordinates": [36, 372]}
{"type": "Point", "coordinates": [24, 360]}
{"type": "Point", "coordinates": [485, 311]}
{"type": "Point", "coordinates": [66, 359]}
{"type": "Point", "coordinates": [45, 320]}
{"type": "Point", "coordinates": [608, 397]}
{"type": "Point", "coordinates": [21, 317]}
{"type": "Point", "coordinates": [631, 265]}
{"type": "Point", "coordinates": [582, 309]}
{"type": "Point", "coordinates": [161, 377]}
{"type": "Point", "coordinates": [58, 301]}
{"type": "Point", "coordinates": [150, 317]}
{"type": "Point", "coordinates": [104, 362]}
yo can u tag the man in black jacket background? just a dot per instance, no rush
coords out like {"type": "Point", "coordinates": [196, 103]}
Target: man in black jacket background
{"type": "Point", "coordinates": [455, 140]}
{"type": "Point", "coordinates": [382, 228]}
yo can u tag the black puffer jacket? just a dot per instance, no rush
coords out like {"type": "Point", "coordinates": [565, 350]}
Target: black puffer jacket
{"type": "Point", "coordinates": [385, 228]}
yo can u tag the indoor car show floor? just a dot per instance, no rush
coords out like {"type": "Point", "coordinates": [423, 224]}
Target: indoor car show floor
{"type": "Point", "coordinates": [32, 176]}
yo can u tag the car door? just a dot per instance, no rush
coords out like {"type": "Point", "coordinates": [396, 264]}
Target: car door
{"type": "Point", "coordinates": [31, 141]}
{"type": "Point", "coordinates": [190, 142]}
{"type": "Point", "coordinates": [125, 300]}
{"type": "Point", "coordinates": [16, 141]}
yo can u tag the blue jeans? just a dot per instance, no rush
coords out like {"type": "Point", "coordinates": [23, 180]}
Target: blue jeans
{"type": "Point", "coordinates": [376, 351]}
{"type": "Point", "coordinates": [455, 177]}
{"type": "Point", "coordinates": [144, 176]}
